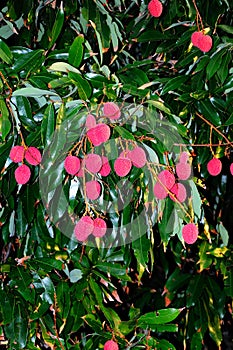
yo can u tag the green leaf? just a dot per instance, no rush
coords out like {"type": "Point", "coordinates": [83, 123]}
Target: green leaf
{"type": "Point", "coordinates": [214, 63]}
{"type": "Point", "coordinates": [17, 330]}
{"type": "Point", "coordinates": [33, 92]}
{"type": "Point", "coordinates": [48, 294]}
{"type": "Point", "coordinates": [205, 261]}
{"type": "Point", "coordinates": [158, 317]}
{"type": "Point", "coordinates": [84, 88]}
{"type": "Point", "coordinates": [76, 51]}
{"type": "Point", "coordinates": [93, 322]}
{"type": "Point", "coordinates": [63, 67]}
{"type": "Point", "coordinates": [194, 290]}
{"type": "Point", "coordinates": [5, 52]}
{"type": "Point", "coordinates": [205, 107]}
{"type": "Point", "coordinates": [160, 105]}
{"type": "Point", "coordinates": [141, 247]}
{"type": "Point", "coordinates": [114, 269]}
{"type": "Point", "coordinates": [223, 233]}
{"type": "Point", "coordinates": [226, 28]}
{"type": "Point", "coordinates": [48, 125]}
{"type": "Point", "coordinates": [29, 61]}
{"type": "Point", "coordinates": [196, 199]}
{"type": "Point", "coordinates": [124, 133]}
{"type": "Point", "coordinates": [5, 124]}
{"type": "Point", "coordinates": [57, 26]}
{"type": "Point", "coordinates": [153, 35]}
{"type": "Point", "coordinates": [223, 70]}
{"type": "Point", "coordinates": [75, 275]}
{"type": "Point", "coordinates": [174, 84]}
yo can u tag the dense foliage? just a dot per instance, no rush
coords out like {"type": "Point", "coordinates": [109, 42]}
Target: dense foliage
{"type": "Point", "coordinates": [59, 61]}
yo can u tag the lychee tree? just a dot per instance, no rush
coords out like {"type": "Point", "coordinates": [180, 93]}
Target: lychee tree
{"type": "Point", "coordinates": [116, 174]}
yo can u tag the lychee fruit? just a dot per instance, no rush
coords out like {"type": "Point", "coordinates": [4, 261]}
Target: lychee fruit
{"type": "Point", "coordinates": [166, 178]}
{"type": "Point", "coordinates": [100, 227]}
{"type": "Point", "coordinates": [33, 156]}
{"type": "Point", "coordinates": [111, 345]}
{"type": "Point", "coordinates": [214, 166]}
{"type": "Point", "coordinates": [93, 163]}
{"type": "Point", "coordinates": [83, 228]}
{"type": "Point", "coordinates": [17, 154]}
{"type": "Point", "coordinates": [231, 168]}
{"type": "Point", "coordinates": [122, 166]}
{"type": "Point", "coordinates": [72, 165]}
{"type": "Point", "coordinates": [80, 173]}
{"type": "Point", "coordinates": [159, 191]}
{"type": "Point", "coordinates": [93, 189]}
{"type": "Point", "coordinates": [179, 191]}
{"type": "Point", "coordinates": [22, 174]}
{"type": "Point", "coordinates": [99, 134]}
{"type": "Point", "coordinates": [183, 170]}
{"type": "Point", "coordinates": [111, 110]}
{"type": "Point", "coordinates": [138, 157]}
{"type": "Point", "coordinates": [90, 121]}
{"type": "Point", "coordinates": [155, 8]}
{"type": "Point", "coordinates": [205, 43]}
{"type": "Point", "coordinates": [124, 154]}
{"type": "Point", "coordinates": [105, 169]}
{"type": "Point", "coordinates": [184, 157]}
{"type": "Point", "coordinates": [190, 233]}
{"type": "Point", "coordinates": [195, 37]}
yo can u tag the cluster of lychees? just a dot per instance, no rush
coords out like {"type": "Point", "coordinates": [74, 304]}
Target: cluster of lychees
{"type": "Point", "coordinates": [20, 153]}
{"type": "Point", "coordinates": [214, 167]}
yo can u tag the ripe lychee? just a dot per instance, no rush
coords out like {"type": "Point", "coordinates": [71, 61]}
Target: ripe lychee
{"type": "Point", "coordinates": [166, 178]}
{"type": "Point", "coordinates": [80, 173]}
{"type": "Point", "coordinates": [93, 189]}
{"type": "Point", "coordinates": [100, 227]}
{"type": "Point", "coordinates": [105, 169]}
{"type": "Point", "coordinates": [214, 166]}
{"type": "Point", "coordinates": [90, 121]}
{"type": "Point", "coordinates": [159, 191]}
{"type": "Point", "coordinates": [22, 174]}
{"type": "Point", "coordinates": [72, 165]}
{"type": "Point", "coordinates": [155, 8]}
{"type": "Point", "coordinates": [83, 228]}
{"type": "Point", "coordinates": [205, 43]}
{"type": "Point", "coordinates": [17, 154]}
{"type": "Point", "coordinates": [183, 170]}
{"type": "Point", "coordinates": [99, 134]}
{"type": "Point", "coordinates": [179, 191]}
{"type": "Point", "coordinates": [33, 156]}
{"type": "Point", "coordinates": [231, 168]}
{"type": "Point", "coordinates": [195, 37]}
{"type": "Point", "coordinates": [93, 163]}
{"type": "Point", "coordinates": [111, 345]}
{"type": "Point", "coordinates": [122, 166]}
{"type": "Point", "coordinates": [138, 157]}
{"type": "Point", "coordinates": [184, 157]}
{"type": "Point", "coordinates": [111, 110]}
{"type": "Point", "coordinates": [190, 233]}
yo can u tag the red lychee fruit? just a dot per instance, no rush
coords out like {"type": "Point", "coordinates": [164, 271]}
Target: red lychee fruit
{"type": "Point", "coordinates": [105, 169]}
{"type": "Point", "coordinates": [183, 170]}
{"type": "Point", "coordinates": [90, 121]}
{"type": "Point", "coordinates": [122, 166]}
{"type": "Point", "coordinates": [100, 227]}
{"type": "Point", "coordinates": [155, 8]}
{"type": "Point", "coordinates": [33, 156]}
{"type": "Point", "coordinates": [17, 154]}
{"type": "Point", "coordinates": [80, 173]}
{"type": "Point", "coordinates": [166, 178]}
{"type": "Point", "coordinates": [83, 228]}
{"type": "Point", "coordinates": [205, 43]}
{"type": "Point", "coordinates": [195, 37]}
{"type": "Point", "coordinates": [184, 157]}
{"type": "Point", "coordinates": [111, 110]}
{"type": "Point", "coordinates": [93, 189]}
{"type": "Point", "coordinates": [159, 191]}
{"type": "Point", "coordinates": [138, 157]}
{"type": "Point", "coordinates": [93, 163]}
{"type": "Point", "coordinates": [190, 233]}
{"type": "Point", "coordinates": [99, 134]}
{"type": "Point", "coordinates": [111, 345]}
{"type": "Point", "coordinates": [231, 168]}
{"type": "Point", "coordinates": [214, 166]}
{"type": "Point", "coordinates": [179, 191]}
{"type": "Point", "coordinates": [22, 174]}
{"type": "Point", "coordinates": [72, 165]}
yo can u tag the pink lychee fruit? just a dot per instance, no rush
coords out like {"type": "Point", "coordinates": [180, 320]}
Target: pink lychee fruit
{"type": "Point", "coordinates": [99, 134]}
{"type": "Point", "coordinates": [90, 121]}
{"type": "Point", "coordinates": [138, 157]}
{"type": "Point", "coordinates": [124, 154]}
{"type": "Point", "coordinates": [231, 168]}
{"type": "Point", "coordinates": [205, 43]}
{"type": "Point", "coordinates": [179, 191]}
{"type": "Point", "coordinates": [159, 191]}
{"type": "Point", "coordinates": [22, 174]}
{"type": "Point", "coordinates": [33, 156]}
{"type": "Point", "coordinates": [190, 233]}
{"type": "Point", "coordinates": [83, 228]}
{"type": "Point", "coordinates": [93, 189]}
{"type": "Point", "coordinates": [155, 8]}
{"type": "Point", "coordinates": [184, 157]}
{"type": "Point", "coordinates": [93, 163]}
{"type": "Point", "coordinates": [214, 166]}
{"type": "Point", "coordinates": [111, 110]}
{"type": "Point", "coordinates": [166, 178]}
{"type": "Point", "coordinates": [17, 154]}
{"type": "Point", "coordinates": [80, 173]}
{"type": "Point", "coordinates": [111, 345]}
{"type": "Point", "coordinates": [122, 166]}
{"type": "Point", "coordinates": [72, 165]}
{"type": "Point", "coordinates": [195, 37]}
{"type": "Point", "coordinates": [100, 227]}
{"type": "Point", "coordinates": [105, 169]}
{"type": "Point", "coordinates": [183, 170]}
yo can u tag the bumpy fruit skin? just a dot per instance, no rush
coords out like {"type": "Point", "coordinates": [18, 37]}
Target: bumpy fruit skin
{"type": "Point", "coordinates": [190, 233]}
{"type": "Point", "coordinates": [90, 121]}
{"type": "Point", "coordinates": [93, 189]}
{"type": "Point", "coordinates": [105, 169]}
{"type": "Point", "coordinates": [100, 227]}
{"type": "Point", "coordinates": [205, 43]}
{"type": "Point", "coordinates": [231, 168]}
{"type": "Point", "coordinates": [155, 8]}
{"type": "Point", "coordinates": [166, 178]}
{"type": "Point", "coordinates": [111, 111]}
{"type": "Point", "coordinates": [111, 345]}
{"type": "Point", "coordinates": [17, 154]}
{"type": "Point", "coordinates": [99, 134]}
{"type": "Point", "coordinates": [179, 191]}
{"type": "Point", "coordinates": [214, 166]}
{"type": "Point", "coordinates": [72, 165]}
{"type": "Point", "coordinates": [159, 191]}
{"type": "Point", "coordinates": [33, 156]}
{"type": "Point", "coordinates": [83, 228]}
{"type": "Point", "coordinates": [195, 37]}
{"type": "Point", "coordinates": [184, 157]}
{"type": "Point", "coordinates": [80, 173]}
{"type": "Point", "coordinates": [93, 163]}
{"type": "Point", "coordinates": [122, 166]}
{"type": "Point", "coordinates": [22, 174]}
{"type": "Point", "coordinates": [183, 170]}
{"type": "Point", "coordinates": [138, 157]}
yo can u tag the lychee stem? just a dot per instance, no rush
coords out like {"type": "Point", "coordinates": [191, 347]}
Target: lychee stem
{"type": "Point", "coordinates": [198, 15]}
